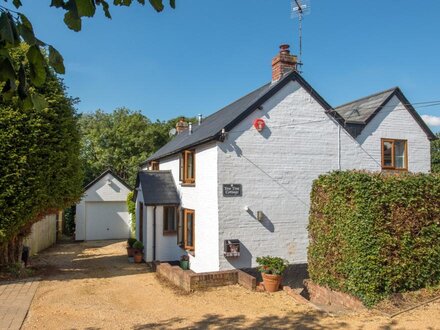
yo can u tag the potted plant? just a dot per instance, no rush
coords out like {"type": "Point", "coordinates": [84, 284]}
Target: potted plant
{"type": "Point", "coordinates": [130, 250]}
{"type": "Point", "coordinates": [184, 262]}
{"type": "Point", "coordinates": [271, 269]}
{"type": "Point", "coordinates": [138, 248]}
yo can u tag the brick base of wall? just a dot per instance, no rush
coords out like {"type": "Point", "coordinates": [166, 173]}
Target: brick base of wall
{"type": "Point", "coordinates": [324, 296]}
{"type": "Point", "coordinates": [188, 281]}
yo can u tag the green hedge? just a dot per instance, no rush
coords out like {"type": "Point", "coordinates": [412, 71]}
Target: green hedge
{"type": "Point", "coordinates": [372, 235]}
{"type": "Point", "coordinates": [40, 168]}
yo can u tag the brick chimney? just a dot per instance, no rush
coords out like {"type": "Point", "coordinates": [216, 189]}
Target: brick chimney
{"type": "Point", "coordinates": [181, 125]}
{"type": "Point", "coordinates": [283, 63]}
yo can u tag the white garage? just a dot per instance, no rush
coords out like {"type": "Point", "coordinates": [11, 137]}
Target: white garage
{"type": "Point", "coordinates": [102, 213]}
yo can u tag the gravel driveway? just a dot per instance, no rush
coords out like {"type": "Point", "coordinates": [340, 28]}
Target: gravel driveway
{"type": "Point", "coordinates": [92, 286]}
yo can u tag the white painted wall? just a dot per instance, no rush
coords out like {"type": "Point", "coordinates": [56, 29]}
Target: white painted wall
{"type": "Point", "coordinates": [203, 199]}
{"type": "Point", "coordinates": [100, 192]}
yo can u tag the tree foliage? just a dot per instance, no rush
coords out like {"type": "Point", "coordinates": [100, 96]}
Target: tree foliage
{"type": "Point", "coordinates": [16, 28]}
{"type": "Point", "coordinates": [40, 168]}
{"type": "Point", "coordinates": [435, 155]}
{"type": "Point", "coordinates": [120, 140]}
{"type": "Point", "coordinates": [372, 235]}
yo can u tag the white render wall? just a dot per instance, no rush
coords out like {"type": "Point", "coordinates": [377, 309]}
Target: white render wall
{"type": "Point", "coordinates": [99, 192]}
{"type": "Point", "coordinates": [203, 199]}
{"type": "Point", "coordinates": [276, 168]}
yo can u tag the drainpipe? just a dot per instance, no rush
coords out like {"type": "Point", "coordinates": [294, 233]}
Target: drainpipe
{"type": "Point", "coordinates": [339, 147]}
{"type": "Point", "coordinates": [154, 233]}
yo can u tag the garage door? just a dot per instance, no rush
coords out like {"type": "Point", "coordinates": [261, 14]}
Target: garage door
{"type": "Point", "coordinates": [107, 220]}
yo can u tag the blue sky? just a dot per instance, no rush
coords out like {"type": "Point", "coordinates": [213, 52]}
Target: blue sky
{"type": "Point", "coordinates": [205, 54]}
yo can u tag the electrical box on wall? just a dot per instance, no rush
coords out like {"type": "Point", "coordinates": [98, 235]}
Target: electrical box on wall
{"type": "Point", "coordinates": [232, 248]}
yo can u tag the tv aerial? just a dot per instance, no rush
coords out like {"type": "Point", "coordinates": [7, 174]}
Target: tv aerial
{"type": "Point", "coordinates": [299, 9]}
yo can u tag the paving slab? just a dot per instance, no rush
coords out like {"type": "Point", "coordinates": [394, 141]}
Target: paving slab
{"type": "Point", "coordinates": [15, 300]}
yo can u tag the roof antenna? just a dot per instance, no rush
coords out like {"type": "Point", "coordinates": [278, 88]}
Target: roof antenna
{"type": "Point", "coordinates": [299, 9]}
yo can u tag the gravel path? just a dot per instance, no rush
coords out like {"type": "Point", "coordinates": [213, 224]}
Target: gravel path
{"type": "Point", "coordinates": [92, 286]}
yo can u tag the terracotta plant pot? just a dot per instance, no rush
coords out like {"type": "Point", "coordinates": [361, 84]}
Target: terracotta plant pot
{"type": "Point", "coordinates": [271, 282]}
{"type": "Point", "coordinates": [138, 256]}
{"type": "Point", "coordinates": [130, 251]}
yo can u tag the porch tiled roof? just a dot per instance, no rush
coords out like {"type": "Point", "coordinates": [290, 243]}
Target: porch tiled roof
{"type": "Point", "coordinates": [158, 188]}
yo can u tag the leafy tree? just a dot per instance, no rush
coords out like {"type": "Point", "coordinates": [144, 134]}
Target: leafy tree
{"type": "Point", "coordinates": [120, 140]}
{"type": "Point", "coordinates": [435, 154]}
{"type": "Point", "coordinates": [15, 28]}
{"type": "Point", "coordinates": [40, 168]}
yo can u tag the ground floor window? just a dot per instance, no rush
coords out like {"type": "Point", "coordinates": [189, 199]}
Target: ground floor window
{"type": "Point", "coordinates": [169, 220]}
{"type": "Point", "coordinates": [186, 232]}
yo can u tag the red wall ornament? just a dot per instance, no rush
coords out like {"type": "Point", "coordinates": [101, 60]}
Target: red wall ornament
{"type": "Point", "coordinates": [259, 124]}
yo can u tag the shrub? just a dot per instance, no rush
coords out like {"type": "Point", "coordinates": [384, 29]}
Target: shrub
{"type": "Point", "coordinates": [372, 234]}
{"type": "Point", "coordinates": [272, 265]}
{"type": "Point", "coordinates": [138, 245]}
{"type": "Point", "coordinates": [131, 206]}
{"type": "Point", "coordinates": [131, 241]}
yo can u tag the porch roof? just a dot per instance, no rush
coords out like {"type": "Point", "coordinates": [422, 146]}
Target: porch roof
{"type": "Point", "coordinates": [158, 188]}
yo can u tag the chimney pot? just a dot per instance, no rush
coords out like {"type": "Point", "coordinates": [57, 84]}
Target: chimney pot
{"type": "Point", "coordinates": [283, 63]}
{"type": "Point", "coordinates": [181, 125]}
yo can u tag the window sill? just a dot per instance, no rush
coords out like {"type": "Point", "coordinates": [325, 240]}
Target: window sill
{"type": "Point", "coordinates": [390, 169]}
{"type": "Point", "coordinates": [187, 184]}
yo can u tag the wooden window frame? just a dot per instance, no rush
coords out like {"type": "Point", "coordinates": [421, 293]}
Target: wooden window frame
{"type": "Point", "coordinates": [154, 165]}
{"type": "Point", "coordinates": [165, 220]}
{"type": "Point", "coordinates": [185, 230]}
{"type": "Point", "coordinates": [393, 161]}
{"type": "Point", "coordinates": [183, 168]}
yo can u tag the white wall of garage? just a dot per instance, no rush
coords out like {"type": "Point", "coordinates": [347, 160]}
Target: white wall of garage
{"type": "Point", "coordinates": [102, 213]}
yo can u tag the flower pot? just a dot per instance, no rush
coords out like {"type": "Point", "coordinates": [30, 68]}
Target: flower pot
{"type": "Point", "coordinates": [130, 252]}
{"type": "Point", "coordinates": [271, 282]}
{"type": "Point", "coordinates": [138, 256]}
{"type": "Point", "coordinates": [184, 264]}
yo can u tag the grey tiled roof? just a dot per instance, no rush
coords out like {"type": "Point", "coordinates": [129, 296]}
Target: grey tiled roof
{"type": "Point", "coordinates": [359, 111]}
{"type": "Point", "coordinates": [158, 188]}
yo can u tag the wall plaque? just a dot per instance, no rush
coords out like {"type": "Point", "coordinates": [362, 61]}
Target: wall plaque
{"type": "Point", "coordinates": [232, 190]}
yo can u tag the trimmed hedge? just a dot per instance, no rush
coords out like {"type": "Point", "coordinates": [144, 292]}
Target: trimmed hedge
{"type": "Point", "coordinates": [372, 235]}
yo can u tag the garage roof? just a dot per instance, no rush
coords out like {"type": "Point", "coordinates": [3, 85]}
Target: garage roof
{"type": "Point", "coordinates": [158, 188]}
{"type": "Point", "coordinates": [103, 174]}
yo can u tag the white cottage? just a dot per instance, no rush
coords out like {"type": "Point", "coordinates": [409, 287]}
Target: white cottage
{"type": "Point", "coordinates": [241, 178]}
{"type": "Point", "coordinates": [102, 212]}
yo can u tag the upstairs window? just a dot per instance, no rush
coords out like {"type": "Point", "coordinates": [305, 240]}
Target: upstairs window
{"type": "Point", "coordinates": [154, 165]}
{"type": "Point", "coordinates": [394, 154]}
{"type": "Point", "coordinates": [169, 220]}
{"type": "Point", "coordinates": [187, 167]}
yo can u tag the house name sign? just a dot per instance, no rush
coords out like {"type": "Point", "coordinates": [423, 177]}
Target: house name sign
{"type": "Point", "coordinates": [232, 190]}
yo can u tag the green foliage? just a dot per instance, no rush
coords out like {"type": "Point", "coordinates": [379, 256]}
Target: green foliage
{"type": "Point", "coordinates": [272, 265]}
{"type": "Point", "coordinates": [16, 28]}
{"type": "Point", "coordinates": [131, 206]}
{"type": "Point", "coordinates": [131, 241]}
{"type": "Point", "coordinates": [69, 220]}
{"type": "Point", "coordinates": [372, 235]}
{"type": "Point", "coordinates": [40, 168]}
{"type": "Point", "coordinates": [435, 155]}
{"type": "Point", "coordinates": [138, 245]}
{"type": "Point", "coordinates": [120, 140]}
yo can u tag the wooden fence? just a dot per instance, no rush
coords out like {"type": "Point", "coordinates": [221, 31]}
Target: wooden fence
{"type": "Point", "coordinates": [43, 233]}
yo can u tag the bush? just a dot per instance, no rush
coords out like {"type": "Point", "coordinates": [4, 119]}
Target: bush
{"type": "Point", "coordinates": [272, 265]}
{"type": "Point", "coordinates": [131, 241]}
{"type": "Point", "coordinates": [131, 206]}
{"type": "Point", "coordinates": [138, 245]}
{"type": "Point", "coordinates": [372, 235]}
